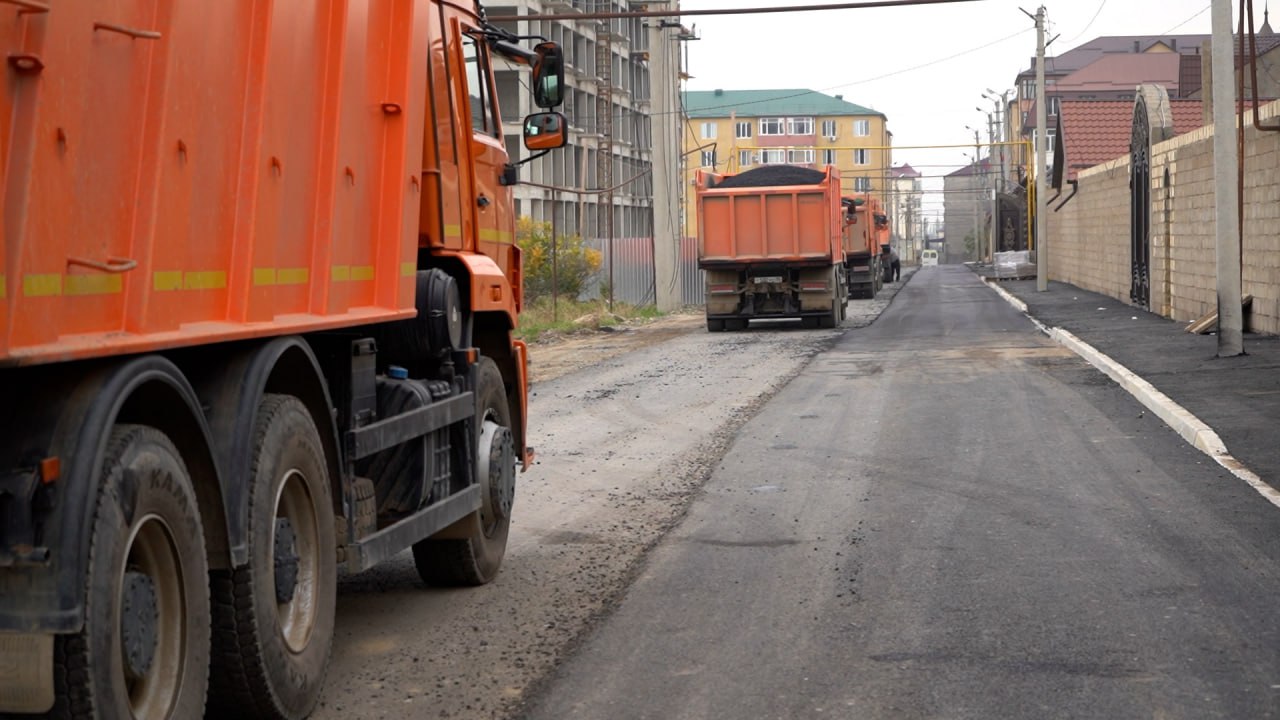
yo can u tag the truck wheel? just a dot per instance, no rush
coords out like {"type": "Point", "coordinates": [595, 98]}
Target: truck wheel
{"type": "Point", "coordinates": [273, 618]}
{"type": "Point", "coordinates": [475, 560]}
{"type": "Point", "coordinates": [715, 325]}
{"type": "Point", "coordinates": [735, 324]}
{"type": "Point", "coordinates": [833, 319]}
{"type": "Point", "coordinates": [144, 649]}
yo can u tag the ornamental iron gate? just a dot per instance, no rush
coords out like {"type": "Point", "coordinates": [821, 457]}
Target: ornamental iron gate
{"type": "Point", "coordinates": [1140, 205]}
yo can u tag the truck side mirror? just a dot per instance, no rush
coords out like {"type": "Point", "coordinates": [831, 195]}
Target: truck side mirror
{"type": "Point", "coordinates": [544, 131]}
{"type": "Point", "coordinates": [548, 75]}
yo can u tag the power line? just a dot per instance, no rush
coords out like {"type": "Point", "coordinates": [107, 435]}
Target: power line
{"type": "Point", "coordinates": [1184, 22]}
{"type": "Point", "coordinates": [1090, 24]}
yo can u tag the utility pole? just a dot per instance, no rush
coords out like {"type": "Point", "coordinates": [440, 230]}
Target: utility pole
{"type": "Point", "coordinates": [977, 191]}
{"type": "Point", "coordinates": [664, 60]}
{"type": "Point", "coordinates": [1042, 205]}
{"type": "Point", "coordinates": [991, 155]}
{"type": "Point", "coordinates": [1226, 194]}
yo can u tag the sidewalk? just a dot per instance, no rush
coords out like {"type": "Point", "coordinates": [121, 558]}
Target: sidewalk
{"type": "Point", "coordinates": [1238, 398]}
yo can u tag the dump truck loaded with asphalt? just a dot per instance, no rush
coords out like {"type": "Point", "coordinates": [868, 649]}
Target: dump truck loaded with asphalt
{"type": "Point", "coordinates": [770, 242]}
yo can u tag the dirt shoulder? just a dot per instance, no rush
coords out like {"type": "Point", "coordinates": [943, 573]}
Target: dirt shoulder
{"type": "Point", "coordinates": [552, 357]}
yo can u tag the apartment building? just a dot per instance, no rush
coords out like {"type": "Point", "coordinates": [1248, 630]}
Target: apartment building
{"type": "Point", "coordinates": [735, 130]}
{"type": "Point", "coordinates": [620, 74]}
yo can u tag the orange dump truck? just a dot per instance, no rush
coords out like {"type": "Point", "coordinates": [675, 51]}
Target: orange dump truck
{"type": "Point", "coordinates": [769, 240]}
{"type": "Point", "coordinates": [257, 293]}
{"type": "Point", "coordinates": [866, 230]}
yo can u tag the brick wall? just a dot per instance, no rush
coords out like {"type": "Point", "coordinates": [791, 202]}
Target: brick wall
{"type": "Point", "coordinates": [1089, 238]}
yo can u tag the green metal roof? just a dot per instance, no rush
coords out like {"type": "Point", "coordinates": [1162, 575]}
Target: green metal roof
{"type": "Point", "coordinates": [768, 103]}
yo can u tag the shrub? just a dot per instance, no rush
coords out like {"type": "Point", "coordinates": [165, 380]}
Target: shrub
{"type": "Point", "coordinates": [575, 262]}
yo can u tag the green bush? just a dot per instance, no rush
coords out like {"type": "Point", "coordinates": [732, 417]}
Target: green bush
{"type": "Point", "coordinates": [575, 262]}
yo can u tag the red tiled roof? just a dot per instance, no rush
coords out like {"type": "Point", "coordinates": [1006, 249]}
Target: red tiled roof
{"type": "Point", "coordinates": [904, 171]}
{"type": "Point", "coordinates": [1098, 131]}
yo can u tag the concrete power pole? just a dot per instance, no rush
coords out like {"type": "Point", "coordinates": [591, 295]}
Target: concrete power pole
{"type": "Point", "coordinates": [664, 63]}
{"type": "Point", "coordinates": [1226, 195]}
{"type": "Point", "coordinates": [1042, 205]}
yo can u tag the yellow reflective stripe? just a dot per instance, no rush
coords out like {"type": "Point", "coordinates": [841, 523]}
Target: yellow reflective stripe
{"type": "Point", "coordinates": [281, 276]}
{"type": "Point", "coordinates": [355, 273]}
{"type": "Point", "coordinates": [453, 231]}
{"type": "Point", "coordinates": [163, 280]}
{"type": "Point", "coordinates": [292, 276]}
{"type": "Point", "coordinates": [2, 287]}
{"type": "Point", "coordinates": [408, 269]}
{"type": "Point", "coordinates": [41, 285]}
{"type": "Point", "coordinates": [92, 284]}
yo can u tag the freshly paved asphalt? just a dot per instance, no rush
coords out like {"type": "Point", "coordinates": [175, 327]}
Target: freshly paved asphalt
{"type": "Point", "coordinates": [949, 516]}
{"type": "Point", "coordinates": [1239, 397]}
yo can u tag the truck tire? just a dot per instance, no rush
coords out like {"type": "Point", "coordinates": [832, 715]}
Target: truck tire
{"type": "Point", "coordinates": [273, 618]}
{"type": "Point", "coordinates": [735, 324]}
{"type": "Point", "coordinates": [833, 319]}
{"type": "Point", "coordinates": [715, 325]}
{"type": "Point", "coordinates": [144, 649]}
{"type": "Point", "coordinates": [475, 560]}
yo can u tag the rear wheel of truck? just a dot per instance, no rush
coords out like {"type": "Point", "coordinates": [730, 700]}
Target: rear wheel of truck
{"type": "Point", "coordinates": [273, 618]}
{"type": "Point", "coordinates": [715, 325]}
{"type": "Point", "coordinates": [475, 559]}
{"type": "Point", "coordinates": [144, 649]}
{"type": "Point", "coordinates": [735, 324]}
{"type": "Point", "coordinates": [833, 319]}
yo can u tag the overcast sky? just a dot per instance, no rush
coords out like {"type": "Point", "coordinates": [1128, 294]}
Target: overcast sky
{"type": "Point", "coordinates": [924, 67]}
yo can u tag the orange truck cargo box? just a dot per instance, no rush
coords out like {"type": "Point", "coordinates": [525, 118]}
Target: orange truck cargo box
{"type": "Point", "coordinates": [268, 178]}
{"type": "Point", "coordinates": [743, 225]}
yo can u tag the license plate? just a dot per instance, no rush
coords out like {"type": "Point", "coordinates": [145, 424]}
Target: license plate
{"type": "Point", "coordinates": [768, 279]}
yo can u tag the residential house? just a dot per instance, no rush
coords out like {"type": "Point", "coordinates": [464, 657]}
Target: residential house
{"type": "Point", "coordinates": [966, 206]}
{"type": "Point", "coordinates": [905, 220]}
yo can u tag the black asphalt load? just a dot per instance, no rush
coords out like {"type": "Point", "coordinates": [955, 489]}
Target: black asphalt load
{"type": "Point", "coordinates": [1239, 397]}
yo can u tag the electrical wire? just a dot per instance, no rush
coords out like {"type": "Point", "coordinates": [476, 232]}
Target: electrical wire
{"type": "Point", "coordinates": [1090, 24]}
{"type": "Point", "coordinates": [1184, 22]}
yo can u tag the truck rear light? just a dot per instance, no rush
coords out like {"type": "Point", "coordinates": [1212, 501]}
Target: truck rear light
{"type": "Point", "coordinates": [728, 289]}
{"type": "Point", "coordinates": [813, 286]}
{"type": "Point", "coordinates": [50, 469]}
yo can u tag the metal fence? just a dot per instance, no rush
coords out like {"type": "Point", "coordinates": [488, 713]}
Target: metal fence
{"type": "Point", "coordinates": [633, 271]}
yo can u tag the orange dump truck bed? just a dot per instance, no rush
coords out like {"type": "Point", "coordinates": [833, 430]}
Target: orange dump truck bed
{"type": "Point", "coordinates": [215, 170]}
{"type": "Point", "coordinates": [754, 224]}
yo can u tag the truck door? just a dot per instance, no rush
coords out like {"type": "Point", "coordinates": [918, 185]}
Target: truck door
{"type": "Point", "coordinates": [493, 211]}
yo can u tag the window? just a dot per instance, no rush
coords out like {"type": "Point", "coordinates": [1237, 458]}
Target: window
{"type": "Point", "coordinates": [478, 87]}
{"type": "Point", "coordinates": [828, 128]}
{"type": "Point", "coordinates": [1050, 135]}
{"type": "Point", "coordinates": [708, 130]}
{"type": "Point", "coordinates": [744, 158]}
{"type": "Point", "coordinates": [709, 158]}
{"type": "Point", "coordinates": [1029, 89]}
{"type": "Point", "coordinates": [862, 128]}
{"type": "Point", "coordinates": [861, 157]}
{"type": "Point", "coordinates": [742, 130]}
{"type": "Point", "coordinates": [828, 157]}
{"type": "Point", "coordinates": [800, 125]}
{"type": "Point", "coordinates": [800, 157]}
{"type": "Point", "coordinates": [1052, 107]}
{"type": "Point", "coordinates": [773, 157]}
{"type": "Point", "coordinates": [771, 126]}
{"type": "Point", "coordinates": [862, 184]}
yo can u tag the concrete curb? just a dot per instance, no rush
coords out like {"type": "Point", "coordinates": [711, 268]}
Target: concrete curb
{"type": "Point", "coordinates": [1195, 431]}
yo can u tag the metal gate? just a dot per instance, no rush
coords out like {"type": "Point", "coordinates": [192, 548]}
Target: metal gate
{"type": "Point", "coordinates": [1140, 205]}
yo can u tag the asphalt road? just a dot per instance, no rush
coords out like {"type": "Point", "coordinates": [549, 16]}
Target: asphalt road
{"type": "Point", "coordinates": [946, 516]}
